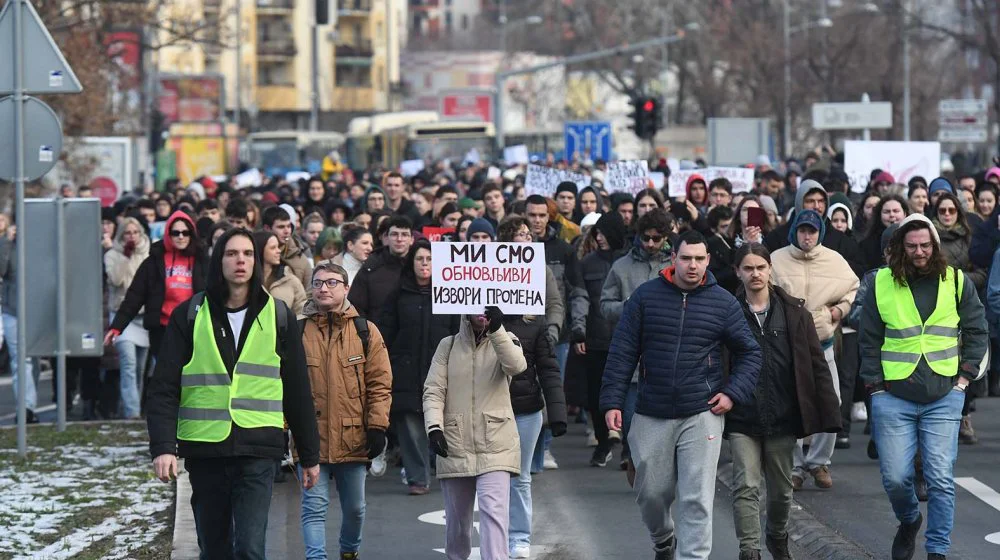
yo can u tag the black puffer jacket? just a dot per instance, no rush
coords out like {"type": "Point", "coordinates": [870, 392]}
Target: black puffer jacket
{"type": "Point", "coordinates": [412, 333]}
{"type": "Point", "coordinates": [148, 288]}
{"type": "Point", "coordinates": [375, 282]}
{"type": "Point", "coordinates": [588, 324]}
{"type": "Point", "coordinates": [541, 378]}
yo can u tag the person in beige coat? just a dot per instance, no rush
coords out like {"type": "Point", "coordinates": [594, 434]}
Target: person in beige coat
{"type": "Point", "coordinates": [470, 425]}
{"type": "Point", "coordinates": [279, 280]}
{"type": "Point", "coordinates": [820, 276]}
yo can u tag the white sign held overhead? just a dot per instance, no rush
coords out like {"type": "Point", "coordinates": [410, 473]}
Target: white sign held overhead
{"type": "Point", "coordinates": [902, 160]}
{"type": "Point", "coordinates": [516, 155]}
{"type": "Point", "coordinates": [852, 116]}
{"type": "Point", "coordinates": [48, 71]}
{"type": "Point", "coordinates": [629, 176]}
{"type": "Point", "coordinates": [544, 180]}
{"type": "Point", "coordinates": [468, 277]}
{"type": "Point", "coordinates": [411, 167]}
{"type": "Point", "coordinates": [740, 177]}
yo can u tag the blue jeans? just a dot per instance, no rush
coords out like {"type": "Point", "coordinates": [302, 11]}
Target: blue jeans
{"type": "Point", "coordinates": [544, 442]}
{"type": "Point", "coordinates": [413, 447]}
{"type": "Point", "coordinates": [899, 427]}
{"type": "Point", "coordinates": [519, 530]}
{"type": "Point", "coordinates": [230, 497]}
{"type": "Point", "coordinates": [130, 359]}
{"type": "Point", "coordinates": [10, 335]}
{"type": "Point", "coordinates": [350, 479]}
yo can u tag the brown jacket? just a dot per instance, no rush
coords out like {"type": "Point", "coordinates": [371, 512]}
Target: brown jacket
{"type": "Point", "coordinates": [352, 392]}
{"type": "Point", "coordinates": [288, 288]}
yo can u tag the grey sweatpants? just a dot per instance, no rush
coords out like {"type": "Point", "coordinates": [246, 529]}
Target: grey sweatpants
{"type": "Point", "coordinates": [676, 459]}
{"type": "Point", "coordinates": [822, 445]}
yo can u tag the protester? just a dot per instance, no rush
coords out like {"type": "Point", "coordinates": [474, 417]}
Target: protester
{"type": "Point", "coordinates": [121, 263]}
{"type": "Point", "coordinates": [891, 209]}
{"type": "Point", "coordinates": [329, 244]}
{"type": "Point", "coordinates": [8, 284]}
{"type": "Point", "coordinates": [808, 270]}
{"type": "Point", "coordinates": [669, 326]}
{"type": "Point", "coordinates": [565, 198]}
{"type": "Point", "coordinates": [293, 250]}
{"type": "Point", "coordinates": [231, 433]}
{"type": "Point", "coordinates": [358, 246]}
{"type": "Point", "coordinates": [794, 398]}
{"type": "Point", "coordinates": [276, 278]}
{"type": "Point", "coordinates": [739, 231]}
{"type": "Point", "coordinates": [916, 195]}
{"type": "Point", "coordinates": [917, 379]}
{"type": "Point", "coordinates": [467, 389]}
{"type": "Point", "coordinates": [351, 383]}
{"type": "Point", "coordinates": [647, 200]}
{"type": "Point", "coordinates": [720, 247]}
{"type": "Point", "coordinates": [412, 333]}
{"type": "Point", "coordinates": [312, 225]}
{"type": "Point", "coordinates": [379, 275]}
{"type": "Point", "coordinates": [939, 187]}
{"type": "Point", "coordinates": [986, 200]}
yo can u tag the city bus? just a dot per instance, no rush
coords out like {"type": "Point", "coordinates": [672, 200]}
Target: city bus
{"type": "Point", "coordinates": [540, 143]}
{"type": "Point", "coordinates": [364, 135]}
{"type": "Point", "coordinates": [277, 153]}
{"type": "Point", "coordinates": [452, 140]}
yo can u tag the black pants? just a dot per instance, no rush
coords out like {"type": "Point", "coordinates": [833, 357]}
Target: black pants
{"type": "Point", "coordinates": [847, 366]}
{"type": "Point", "coordinates": [596, 360]}
{"type": "Point", "coordinates": [231, 497]}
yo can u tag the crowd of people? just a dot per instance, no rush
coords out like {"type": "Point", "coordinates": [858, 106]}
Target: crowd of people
{"type": "Point", "coordinates": [801, 309]}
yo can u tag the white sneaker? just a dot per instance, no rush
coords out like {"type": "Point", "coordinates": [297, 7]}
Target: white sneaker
{"type": "Point", "coordinates": [859, 413]}
{"type": "Point", "coordinates": [402, 476]}
{"type": "Point", "coordinates": [550, 462]}
{"type": "Point", "coordinates": [591, 438]}
{"type": "Point", "coordinates": [614, 436]}
{"type": "Point", "coordinates": [521, 551]}
{"type": "Point", "coordinates": [379, 465]}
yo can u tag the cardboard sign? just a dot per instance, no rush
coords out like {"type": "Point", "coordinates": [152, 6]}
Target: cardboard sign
{"type": "Point", "coordinates": [740, 177]}
{"type": "Point", "coordinates": [435, 234]}
{"type": "Point", "coordinates": [468, 277]}
{"type": "Point", "coordinates": [627, 176]}
{"type": "Point", "coordinates": [544, 180]}
{"type": "Point", "coordinates": [411, 167]}
{"type": "Point", "coordinates": [515, 155]}
{"type": "Point", "coordinates": [902, 160]}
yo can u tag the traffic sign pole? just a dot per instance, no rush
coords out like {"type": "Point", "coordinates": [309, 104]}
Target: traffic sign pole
{"type": "Point", "coordinates": [22, 306]}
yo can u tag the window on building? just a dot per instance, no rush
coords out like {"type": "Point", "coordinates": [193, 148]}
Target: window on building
{"type": "Point", "coordinates": [354, 76]}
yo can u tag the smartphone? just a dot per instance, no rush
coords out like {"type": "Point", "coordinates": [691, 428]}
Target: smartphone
{"type": "Point", "coordinates": [755, 217]}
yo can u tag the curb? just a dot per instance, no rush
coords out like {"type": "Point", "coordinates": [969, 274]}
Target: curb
{"type": "Point", "coordinates": [807, 532]}
{"type": "Point", "coordinates": [185, 541]}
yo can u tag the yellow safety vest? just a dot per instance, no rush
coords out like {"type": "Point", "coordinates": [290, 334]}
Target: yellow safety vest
{"type": "Point", "coordinates": [212, 397]}
{"type": "Point", "coordinates": [907, 338]}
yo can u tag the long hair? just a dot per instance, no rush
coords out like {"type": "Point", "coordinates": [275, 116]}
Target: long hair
{"type": "Point", "coordinates": [962, 220]}
{"type": "Point", "coordinates": [901, 266]}
{"type": "Point", "coordinates": [745, 250]}
{"type": "Point", "coordinates": [736, 226]}
{"type": "Point", "coordinates": [217, 287]}
{"type": "Point", "coordinates": [876, 227]}
{"type": "Point", "coordinates": [411, 257]}
{"type": "Point", "coordinates": [260, 239]}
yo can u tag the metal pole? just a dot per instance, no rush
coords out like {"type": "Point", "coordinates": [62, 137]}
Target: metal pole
{"type": "Point", "coordinates": [786, 100]}
{"type": "Point", "coordinates": [668, 17]}
{"type": "Point", "coordinates": [498, 112]}
{"type": "Point", "coordinates": [60, 313]}
{"type": "Point", "coordinates": [906, 72]}
{"type": "Point", "coordinates": [503, 30]}
{"type": "Point", "coordinates": [20, 223]}
{"type": "Point", "coordinates": [314, 96]}
{"type": "Point", "coordinates": [237, 109]}
{"type": "Point", "coordinates": [866, 134]}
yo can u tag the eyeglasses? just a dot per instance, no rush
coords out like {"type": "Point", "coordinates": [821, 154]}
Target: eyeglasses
{"type": "Point", "coordinates": [329, 282]}
{"type": "Point", "coordinates": [653, 238]}
{"type": "Point", "coordinates": [180, 233]}
{"type": "Point", "coordinates": [947, 211]}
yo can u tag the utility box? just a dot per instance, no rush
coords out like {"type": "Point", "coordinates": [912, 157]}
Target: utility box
{"type": "Point", "coordinates": [737, 142]}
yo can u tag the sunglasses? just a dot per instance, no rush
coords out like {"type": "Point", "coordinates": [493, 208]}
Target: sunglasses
{"type": "Point", "coordinates": [329, 282]}
{"type": "Point", "coordinates": [180, 233]}
{"type": "Point", "coordinates": [653, 238]}
{"type": "Point", "coordinates": [947, 211]}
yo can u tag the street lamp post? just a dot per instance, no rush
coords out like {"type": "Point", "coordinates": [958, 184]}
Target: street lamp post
{"type": "Point", "coordinates": [786, 98]}
{"type": "Point", "coordinates": [906, 72]}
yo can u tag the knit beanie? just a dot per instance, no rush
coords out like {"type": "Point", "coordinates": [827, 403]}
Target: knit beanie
{"type": "Point", "coordinates": [919, 218]}
{"type": "Point", "coordinates": [566, 186]}
{"type": "Point", "coordinates": [940, 184]}
{"type": "Point", "coordinates": [481, 225]}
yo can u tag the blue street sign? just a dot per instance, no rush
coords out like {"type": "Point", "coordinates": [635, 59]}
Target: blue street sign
{"type": "Point", "coordinates": [588, 140]}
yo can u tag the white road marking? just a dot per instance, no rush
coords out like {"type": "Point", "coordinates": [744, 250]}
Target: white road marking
{"type": "Point", "coordinates": [988, 495]}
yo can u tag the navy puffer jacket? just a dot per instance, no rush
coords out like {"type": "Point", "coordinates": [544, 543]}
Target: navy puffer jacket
{"type": "Point", "coordinates": [678, 338]}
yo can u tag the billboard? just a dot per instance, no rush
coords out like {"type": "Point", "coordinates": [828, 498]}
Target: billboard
{"type": "Point", "coordinates": [191, 98]}
{"type": "Point", "coordinates": [467, 105]}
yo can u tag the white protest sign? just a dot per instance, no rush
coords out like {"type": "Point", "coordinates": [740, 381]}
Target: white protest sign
{"type": "Point", "coordinates": [249, 178]}
{"type": "Point", "coordinates": [626, 176]}
{"type": "Point", "coordinates": [468, 277]}
{"type": "Point", "coordinates": [544, 180]}
{"type": "Point", "coordinates": [677, 183]}
{"type": "Point", "coordinates": [902, 160]}
{"type": "Point", "coordinates": [293, 176]}
{"type": "Point", "coordinates": [740, 177]}
{"type": "Point", "coordinates": [515, 155]}
{"type": "Point", "coordinates": [659, 179]}
{"type": "Point", "coordinates": [492, 173]}
{"type": "Point", "coordinates": [411, 167]}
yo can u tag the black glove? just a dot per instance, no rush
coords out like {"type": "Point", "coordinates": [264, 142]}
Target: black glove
{"type": "Point", "coordinates": [438, 444]}
{"type": "Point", "coordinates": [557, 428]}
{"type": "Point", "coordinates": [376, 443]}
{"type": "Point", "coordinates": [495, 316]}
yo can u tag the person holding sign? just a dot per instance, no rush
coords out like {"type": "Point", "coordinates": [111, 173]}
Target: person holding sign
{"type": "Point", "coordinates": [471, 427]}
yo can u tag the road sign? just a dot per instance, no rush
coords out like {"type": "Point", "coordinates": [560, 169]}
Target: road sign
{"type": "Point", "coordinates": [963, 120]}
{"type": "Point", "coordinates": [588, 140]}
{"type": "Point", "coordinates": [42, 139]}
{"type": "Point", "coordinates": [467, 104]}
{"type": "Point", "coordinates": [48, 71]}
{"type": "Point", "coordinates": [852, 116]}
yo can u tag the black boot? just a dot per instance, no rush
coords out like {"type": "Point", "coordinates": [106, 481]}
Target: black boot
{"type": "Point", "coordinates": [904, 544]}
{"type": "Point", "coordinates": [89, 410]}
{"type": "Point", "coordinates": [749, 555]}
{"type": "Point", "coordinates": [778, 547]}
{"type": "Point", "coordinates": [665, 550]}
{"type": "Point", "coordinates": [872, 450]}
{"type": "Point", "coordinates": [936, 556]}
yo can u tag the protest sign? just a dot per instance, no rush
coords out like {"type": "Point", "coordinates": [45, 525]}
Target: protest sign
{"type": "Point", "coordinates": [544, 180]}
{"type": "Point", "coordinates": [249, 178]}
{"type": "Point", "coordinates": [627, 176]}
{"type": "Point", "coordinates": [435, 234]}
{"type": "Point", "coordinates": [902, 160]}
{"type": "Point", "coordinates": [411, 167]}
{"type": "Point", "coordinates": [467, 277]}
{"type": "Point", "coordinates": [492, 173]}
{"type": "Point", "coordinates": [740, 177]}
{"type": "Point", "coordinates": [515, 155]}
{"type": "Point", "coordinates": [677, 183]}
{"type": "Point", "coordinates": [659, 179]}
{"type": "Point", "coordinates": [293, 176]}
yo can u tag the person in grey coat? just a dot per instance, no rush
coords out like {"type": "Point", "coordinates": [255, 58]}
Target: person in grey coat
{"type": "Point", "coordinates": [649, 255]}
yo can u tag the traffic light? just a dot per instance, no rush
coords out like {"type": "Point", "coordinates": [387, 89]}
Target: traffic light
{"type": "Point", "coordinates": [646, 115]}
{"type": "Point", "coordinates": [322, 12]}
{"type": "Point", "coordinates": [156, 131]}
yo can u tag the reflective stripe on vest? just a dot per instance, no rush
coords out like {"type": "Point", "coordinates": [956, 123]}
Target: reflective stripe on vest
{"type": "Point", "coordinates": [907, 338]}
{"type": "Point", "coordinates": [211, 399]}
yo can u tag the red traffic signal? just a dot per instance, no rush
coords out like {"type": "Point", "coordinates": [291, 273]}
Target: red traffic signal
{"type": "Point", "coordinates": [648, 106]}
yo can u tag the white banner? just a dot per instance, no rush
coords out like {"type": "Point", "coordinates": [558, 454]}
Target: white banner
{"type": "Point", "coordinates": [468, 277]}
{"type": "Point", "coordinates": [515, 155]}
{"type": "Point", "coordinates": [249, 178]}
{"type": "Point", "coordinates": [902, 160]}
{"type": "Point", "coordinates": [627, 176]}
{"type": "Point", "coordinates": [544, 180]}
{"type": "Point", "coordinates": [740, 177]}
{"type": "Point", "coordinates": [411, 167]}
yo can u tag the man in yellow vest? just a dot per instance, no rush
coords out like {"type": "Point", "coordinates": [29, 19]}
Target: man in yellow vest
{"type": "Point", "coordinates": [923, 336]}
{"type": "Point", "coordinates": [230, 370]}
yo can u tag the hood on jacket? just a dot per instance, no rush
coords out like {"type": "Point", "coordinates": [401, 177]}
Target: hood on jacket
{"type": "Point", "coordinates": [845, 208]}
{"type": "Point", "coordinates": [141, 245]}
{"type": "Point", "coordinates": [690, 181]}
{"type": "Point", "coordinates": [806, 217]}
{"type": "Point", "coordinates": [311, 309]}
{"type": "Point", "coordinates": [903, 230]}
{"type": "Point", "coordinates": [993, 172]}
{"type": "Point", "coordinates": [806, 187]}
{"type": "Point", "coordinates": [168, 241]}
{"type": "Point", "coordinates": [369, 191]}
{"type": "Point", "coordinates": [614, 230]}
{"type": "Point", "coordinates": [578, 213]}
